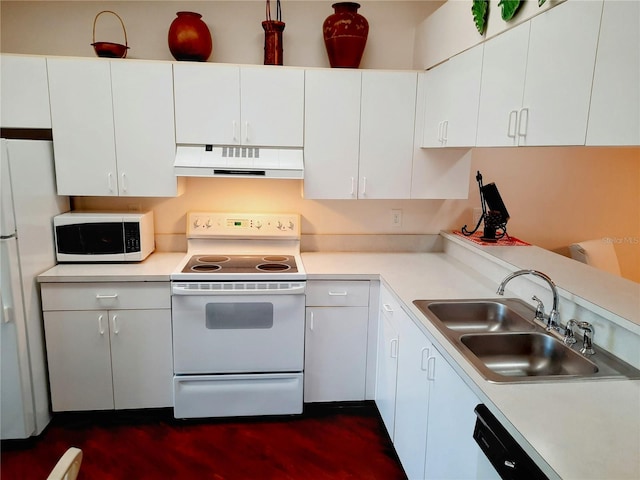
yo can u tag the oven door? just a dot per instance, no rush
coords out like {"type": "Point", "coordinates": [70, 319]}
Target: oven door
{"type": "Point", "coordinates": [237, 327]}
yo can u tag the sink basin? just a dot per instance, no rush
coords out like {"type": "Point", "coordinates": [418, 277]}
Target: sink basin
{"type": "Point", "coordinates": [478, 316]}
{"type": "Point", "coordinates": [503, 343]}
{"type": "Point", "coordinates": [527, 355]}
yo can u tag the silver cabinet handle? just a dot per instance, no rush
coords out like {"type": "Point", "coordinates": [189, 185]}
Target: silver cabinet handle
{"type": "Point", "coordinates": [311, 321]}
{"type": "Point", "coordinates": [110, 181]}
{"type": "Point", "coordinates": [103, 297]}
{"type": "Point", "coordinates": [513, 120]}
{"type": "Point", "coordinates": [100, 326]}
{"type": "Point", "coordinates": [114, 320]}
{"type": "Point", "coordinates": [337, 294]}
{"type": "Point", "coordinates": [424, 359]}
{"type": "Point", "coordinates": [124, 182]}
{"type": "Point", "coordinates": [387, 308]}
{"type": "Point", "coordinates": [523, 122]}
{"type": "Point", "coordinates": [394, 348]}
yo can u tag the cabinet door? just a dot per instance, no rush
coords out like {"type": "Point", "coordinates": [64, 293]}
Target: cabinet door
{"type": "Point", "coordinates": [144, 128]}
{"type": "Point", "coordinates": [142, 359]}
{"type": "Point", "coordinates": [331, 133]}
{"type": "Point", "coordinates": [82, 124]}
{"type": "Point", "coordinates": [79, 360]}
{"type": "Point", "coordinates": [614, 115]}
{"type": "Point", "coordinates": [503, 74]}
{"type": "Point", "coordinates": [452, 453]}
{"type": "Point", "coordinates": [435, 104]}
{"type": "Point", "coordinates": [451, 101]}
{"type": "Point", "coordinates": [386, 373]}
{"type": "Point", "coordinates": [386, 134]}
{"type": "Point", "coordinates": [462, 98]}
{"type": "Point", "coordinates": [412, 399]}
{"type": "Point", "coordinates": [562, 50]}
{"type": "Point", "coordinates": [335, 353]}
{"type": "Point", "coordinates": [24, 90]}
{"type": "Point", "coordinates": [207, 103]}
{"type": "Point", "coordinates": [272, 106]}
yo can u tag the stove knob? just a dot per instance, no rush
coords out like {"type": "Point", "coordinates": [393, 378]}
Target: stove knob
{"type": "Point", "coordinates": [279, 226]}
{"type": "Point", "coordinates": [258, 224]}
{"type": "Point", "coordinates": [208, 224]}
{"type": "Point", "coordinates": [196, 223]}
{"type": "Point", "coordinates": [291, 225]}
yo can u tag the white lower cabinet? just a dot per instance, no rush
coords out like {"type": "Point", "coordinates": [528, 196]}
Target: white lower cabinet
{"type": "Point", "coordinates": [337, 318]}
{"type": "Point", "coordinates": [452, 453]}
{"type": "Point", "coordinates": [108, 345]}
{"type": "Point", "coordinates": [426, 407]}
{"type": "Point", "coordinates": [387, 370]}
{"type": "Point", "coordinates": [412, 398]}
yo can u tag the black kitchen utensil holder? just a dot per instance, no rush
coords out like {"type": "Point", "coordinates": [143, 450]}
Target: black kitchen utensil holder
{"type": "Point", "coordinates": [495, 225]}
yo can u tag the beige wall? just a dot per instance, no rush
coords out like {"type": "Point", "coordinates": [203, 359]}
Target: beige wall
{"type": "Point", "coordinates": [555, 195]}
{"type": "Point", "coordinates": [65, 28]}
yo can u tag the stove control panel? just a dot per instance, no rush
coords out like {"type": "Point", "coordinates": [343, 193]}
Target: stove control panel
{"type": "Point", "coordinates": [203, 224]}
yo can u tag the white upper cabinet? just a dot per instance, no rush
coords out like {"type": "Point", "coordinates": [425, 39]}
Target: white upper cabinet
{"type": "Point", "coordinates": [451, 101]}
{"type": "Point", "coordinates": [232, 105]}
{"type": "Point", "coordinates": [502, 87]}
{"type": "Point", "coordinates": [387, 117]}
{"type": "Point", "coordinates": [614, 116]}
{"type": "Point", "coordinates": [24, 91]}
{"type": "Point", "coordinates": [358, 133]}
{"type": "Point", "coordinates": [82, 122]}
{"type": "Point", "coordinates": [437, 172]}
{"type": "Point", "coordinates": [112, 127]}
{"type": "Point", "coordinates": [144, 128]}
{"type": "Point", "coordinates": [536, 79]}
{"type": "Point", "coordinates": [559, 75]}
{"type": "Point", "coordinates": [332, 133]}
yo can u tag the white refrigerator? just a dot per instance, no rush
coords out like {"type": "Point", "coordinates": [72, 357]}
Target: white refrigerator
{"type": "Point", "coordinates": [28, 201]}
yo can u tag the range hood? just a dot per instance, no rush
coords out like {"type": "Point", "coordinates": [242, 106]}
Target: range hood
{"type": "Point", "coordinates": [238, 161]}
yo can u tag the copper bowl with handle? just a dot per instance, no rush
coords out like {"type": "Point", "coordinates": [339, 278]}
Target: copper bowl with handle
{"type": "Point", "coordinates": [110, 49]}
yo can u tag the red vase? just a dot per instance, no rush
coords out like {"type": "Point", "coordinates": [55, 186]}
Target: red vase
{"type": "Point", "coordinates": [345, 35]}
{"type": "Point", "coordinates": [189, 37]}
{"type": "Point", "coordinates": [273, 42]}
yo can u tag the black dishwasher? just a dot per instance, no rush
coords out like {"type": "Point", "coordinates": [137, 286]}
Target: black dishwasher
{"type": "Point", "coordinates": [507, 457]}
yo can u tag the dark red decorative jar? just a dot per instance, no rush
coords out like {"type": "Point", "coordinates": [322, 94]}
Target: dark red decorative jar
{"type": "Point", "coordinates": [190, 38]}
{"type": "Point", "coordinates": [345, 35]}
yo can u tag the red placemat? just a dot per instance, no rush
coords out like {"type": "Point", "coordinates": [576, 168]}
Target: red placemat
{"type": "Point", "coordinates": [505, 241]}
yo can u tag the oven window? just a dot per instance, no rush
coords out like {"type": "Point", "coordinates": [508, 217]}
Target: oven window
{"type": "Point", "coordinates": [239, 315]}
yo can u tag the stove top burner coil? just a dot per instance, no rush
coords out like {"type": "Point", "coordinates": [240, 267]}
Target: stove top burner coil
{"type": "Point", "coordinates": [205, 267]}
{"type": "Point", "coordinates": [213, 259]}
{"type": "Point", "coordinates": [273, 267]}
{"type": "Point", "coordinates": [275, 258]}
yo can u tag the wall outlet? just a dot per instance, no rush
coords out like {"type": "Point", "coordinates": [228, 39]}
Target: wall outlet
{"type": "Point", "coordinates": [396, 218]}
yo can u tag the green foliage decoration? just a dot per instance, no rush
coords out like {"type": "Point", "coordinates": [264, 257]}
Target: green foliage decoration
{"type": "Point", "coordinates": [479, 10]}
{"type": "Point", "coordinates": [509, 8]}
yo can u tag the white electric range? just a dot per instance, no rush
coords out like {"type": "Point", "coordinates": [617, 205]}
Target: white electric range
{"type": "Point", "coordinates": [238, 316]}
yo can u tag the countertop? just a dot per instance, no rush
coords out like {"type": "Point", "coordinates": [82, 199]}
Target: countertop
{"type": "Point", "coordinates": [582, 429]}
{"type": "Point", "coordinates": [157, 267]}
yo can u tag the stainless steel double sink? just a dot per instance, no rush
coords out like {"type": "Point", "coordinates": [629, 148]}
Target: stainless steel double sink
{"type": "Point", "coordinates": [504, 344]}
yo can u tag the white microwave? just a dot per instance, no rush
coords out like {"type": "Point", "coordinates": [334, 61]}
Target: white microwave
{"type": "Point", "coordinates": [103, 236]}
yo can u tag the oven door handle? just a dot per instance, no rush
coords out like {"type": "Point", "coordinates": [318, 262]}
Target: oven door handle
{"type": "Point", "coordinates": [257, 288]}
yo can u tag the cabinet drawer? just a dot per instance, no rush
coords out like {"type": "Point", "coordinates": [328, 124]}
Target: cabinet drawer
{"type": "Point", "coordinates": [105, 295]}
{"type": "Point", "coordinates": [337, 294]}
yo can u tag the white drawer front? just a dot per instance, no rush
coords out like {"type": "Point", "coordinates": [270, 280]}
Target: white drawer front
{"type": "Point", "coordinates": [105, 295]}
{"type": "Point", "coordinates": [197, 396]}
{"type": "Point", "coordinates": [337, 293]}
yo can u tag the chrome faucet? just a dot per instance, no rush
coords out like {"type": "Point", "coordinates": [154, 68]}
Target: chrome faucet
{"type": "Point", "coordinates": [552, 321]}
